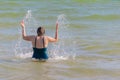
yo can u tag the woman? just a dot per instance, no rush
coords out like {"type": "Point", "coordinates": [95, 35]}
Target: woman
{"type": "Point", "coordinates": [39, 42]}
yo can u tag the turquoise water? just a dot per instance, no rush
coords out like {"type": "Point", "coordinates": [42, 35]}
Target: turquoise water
{"type": "Point", "coordinates": [88, 49]}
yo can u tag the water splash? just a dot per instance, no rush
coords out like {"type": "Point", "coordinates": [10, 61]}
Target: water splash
{"type": "Point", "coordinates": [28, 15]}
{"type": "Point", "coordinates": [62, 21]}
{"type": "Point", "coordinates": [30, 23]}
{"type": "Point", "coordinates": [57, 51]}
{"type": "Point", "coordinates": [60, 51]}
{"type": "Point", "coordinates": [23, 49]}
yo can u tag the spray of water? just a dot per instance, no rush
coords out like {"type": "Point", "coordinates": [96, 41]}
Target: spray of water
{"type": "Point", "coordinates": [59, 50]}
{"type": "Point", "coordinates": [62, 21]}
{"type": "Point", "coordinates": [31, 23]}
{"type": "Point", "coordinates": [23, 49]}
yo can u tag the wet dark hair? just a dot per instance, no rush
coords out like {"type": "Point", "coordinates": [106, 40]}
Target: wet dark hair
{"type": "Point", "coordinates": [40, 31]}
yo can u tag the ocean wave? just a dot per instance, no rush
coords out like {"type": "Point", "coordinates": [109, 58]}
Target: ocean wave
{"type": "Point", "coordinates": [95, 1]}
{"type": "Point", "coordinates": [102, 17]}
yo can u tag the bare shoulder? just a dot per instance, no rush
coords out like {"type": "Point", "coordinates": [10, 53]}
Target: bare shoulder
{"type": "Point", "coordinates": [48, 37]}
{"type": "Point", "coordinates": [29, 38]}
{"type": "Point", "coordinates": [32, 36]}
{"type": "Point", "coordinates": [51, 39]}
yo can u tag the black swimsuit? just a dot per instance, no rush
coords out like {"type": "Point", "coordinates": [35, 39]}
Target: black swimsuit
{"type": "Point", "coordinates": [39, 53]}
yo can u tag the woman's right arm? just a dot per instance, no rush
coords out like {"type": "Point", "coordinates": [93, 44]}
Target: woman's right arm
{"type": "Point", "coordinates": [50, 39]}
{"type": "Point", "coordinates": [25, 37]}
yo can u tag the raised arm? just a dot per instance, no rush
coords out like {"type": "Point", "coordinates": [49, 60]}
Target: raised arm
{"type": "Point", "coordinates": [25, 37]}
{"type": "Point", "coordinates": [56, 35]}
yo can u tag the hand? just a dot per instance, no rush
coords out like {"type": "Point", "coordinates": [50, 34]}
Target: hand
{"type": "Point", "coordinates": [56, 26]}
{"type": "Point", "coordinates": [22, 24]}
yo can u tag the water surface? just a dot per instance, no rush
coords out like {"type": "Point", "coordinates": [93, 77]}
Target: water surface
{"type": "Point", "coordinates": [87, 50]}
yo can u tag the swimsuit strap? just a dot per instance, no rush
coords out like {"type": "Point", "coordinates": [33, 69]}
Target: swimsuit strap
{"type": "Point", "coordinates": [43, 42]}
{"type": "Point", "coordinates": [35, 41]}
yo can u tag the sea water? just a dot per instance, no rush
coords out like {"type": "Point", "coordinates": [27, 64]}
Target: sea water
{"type": "Point", "coordinates": [92, 36]}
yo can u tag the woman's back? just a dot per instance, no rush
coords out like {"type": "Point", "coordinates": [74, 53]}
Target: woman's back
{"type": "Point", "coordinates": [40, 42]}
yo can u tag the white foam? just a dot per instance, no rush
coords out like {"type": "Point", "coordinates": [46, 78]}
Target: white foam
{"type": "Point", "coordinates": [24, 56]}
